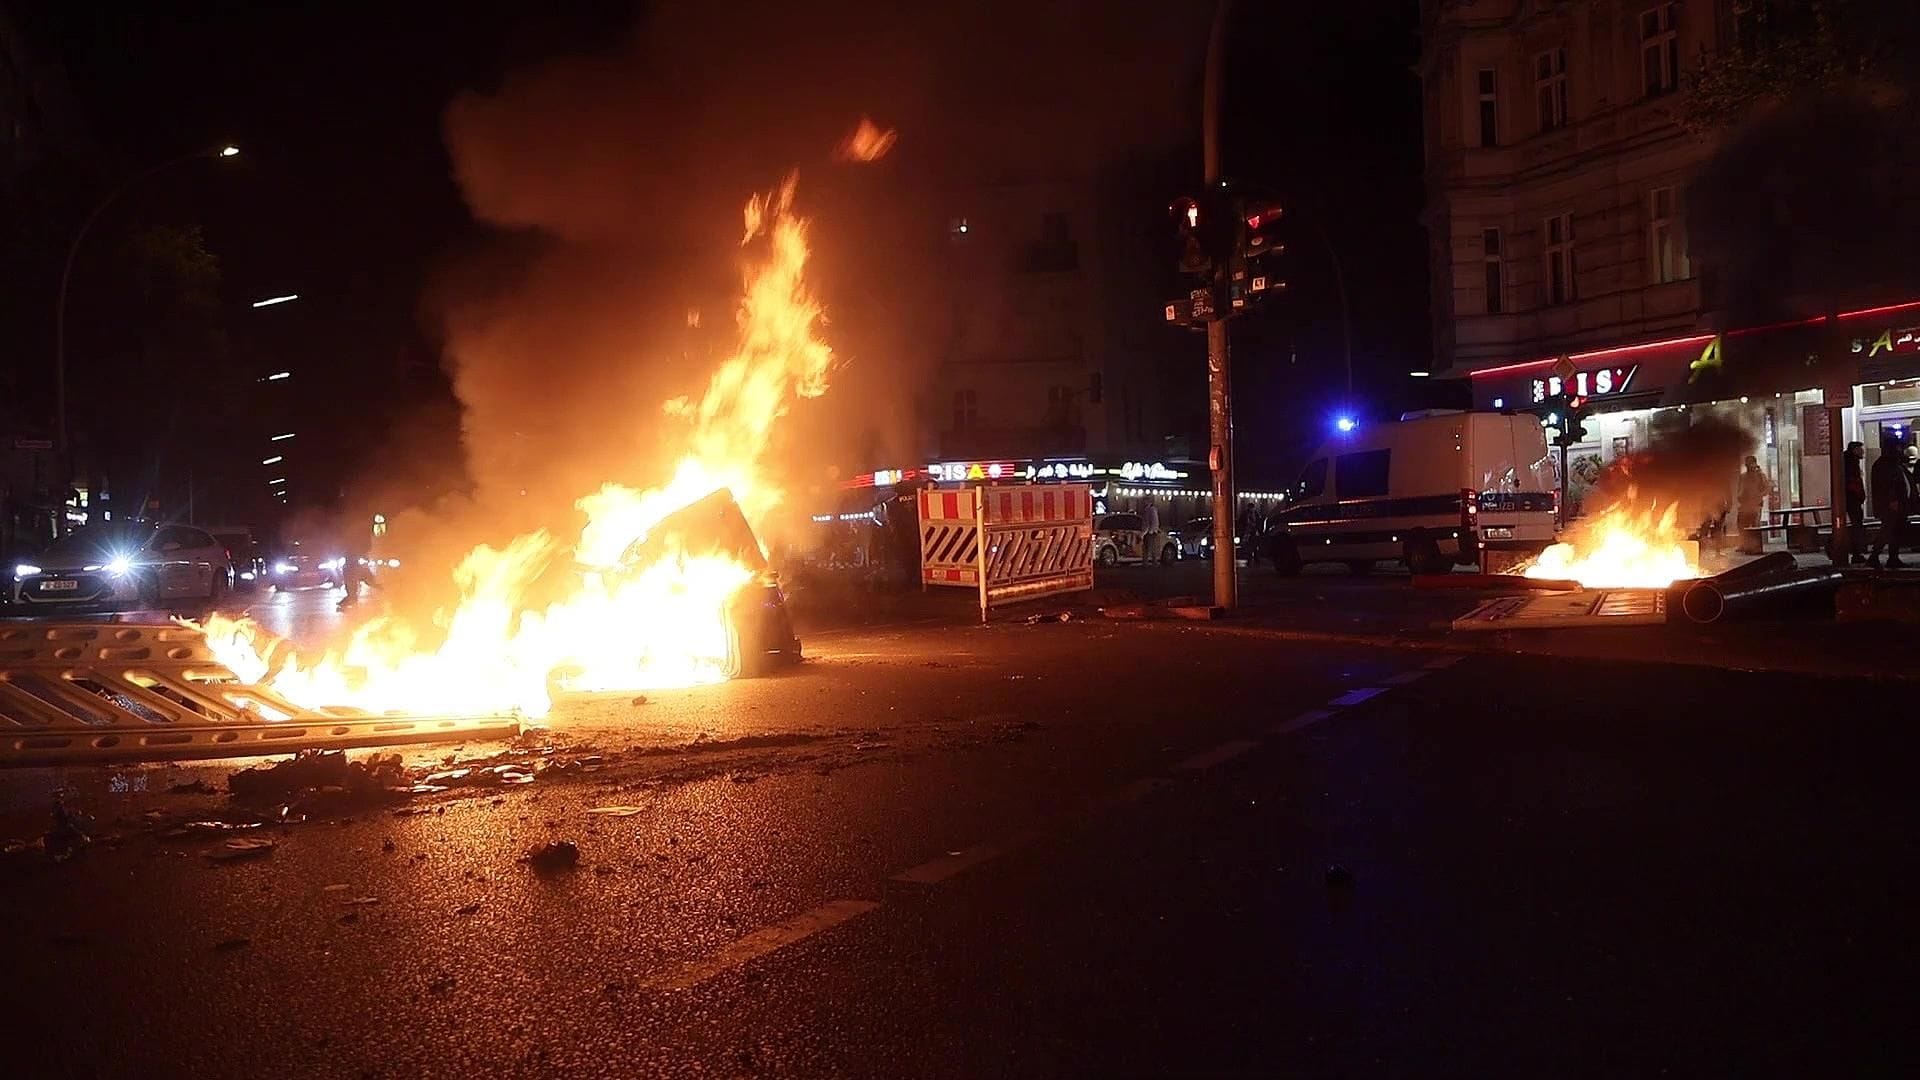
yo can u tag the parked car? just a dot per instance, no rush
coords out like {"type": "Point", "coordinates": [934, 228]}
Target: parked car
{"type": "Point", "coordinates": [1436, 489]}
{"type": "Point", "coordinates": [124, 565]}
{"type": "Point", "coordinates": [1195, 538]}
{"type": "Point", "coordinates": [1122, 538]}
{"type": "Point", "coordinates": [303, 571]}
{"type": "Point", "coordinates": [243, 551]}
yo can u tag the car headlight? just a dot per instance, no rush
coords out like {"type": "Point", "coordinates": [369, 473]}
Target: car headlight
{"type": "Point", "coordinates": [25, 570]}
{"type": "Point", "coordinates": [282, 568]}
{"type": "Point", "coordinates": [393, 564]}
{"type": "Point", "coordinates": [246, 575]}
{"type": "Point", "coordinates": [119, 567]}
{"type": "Point", "coordinates": [335, 564]}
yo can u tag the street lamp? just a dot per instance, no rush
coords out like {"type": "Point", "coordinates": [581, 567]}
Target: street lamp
{"type": "Point", "coordinates": [272, 300]}
{"type": "Point", "coordinates": [60, 305]}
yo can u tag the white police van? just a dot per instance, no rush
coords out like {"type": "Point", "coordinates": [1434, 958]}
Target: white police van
{"type": "Point", "coordinates": [1437, 488]}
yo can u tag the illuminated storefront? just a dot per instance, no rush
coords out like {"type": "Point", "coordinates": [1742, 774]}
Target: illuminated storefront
{"type": "Point", "coordinates": [1180, 488]}
{"type": "Point", "coordinates": [1785, 384]}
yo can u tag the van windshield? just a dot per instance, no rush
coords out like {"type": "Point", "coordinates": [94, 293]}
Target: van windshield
{"type": "Point", "coordinates": [1313, 480]}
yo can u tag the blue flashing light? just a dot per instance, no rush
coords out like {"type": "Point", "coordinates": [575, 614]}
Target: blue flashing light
{"type": "Point", "coordinates": [1346, 424]}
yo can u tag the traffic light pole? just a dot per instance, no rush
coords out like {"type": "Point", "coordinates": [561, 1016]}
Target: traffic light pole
{"type": "Point", "coordinates": [1219, 375]}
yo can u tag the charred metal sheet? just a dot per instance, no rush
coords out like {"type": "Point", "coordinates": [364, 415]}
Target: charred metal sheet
{"type": "Point", "coordinates": [1553, 611]}
{"type": "Point", "coordinates": [83, 693]}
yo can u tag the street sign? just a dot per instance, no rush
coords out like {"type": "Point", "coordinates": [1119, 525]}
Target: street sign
{"type": "Point", "coordinates": [1202, 303]}
{"type": "Point", "coordinates": [1564, 368]}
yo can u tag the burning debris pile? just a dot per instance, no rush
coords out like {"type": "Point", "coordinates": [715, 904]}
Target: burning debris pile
{"type": "Point", "coordinates": [637, 599]}
{"type": "Point", "coordinates": [1653, 508]}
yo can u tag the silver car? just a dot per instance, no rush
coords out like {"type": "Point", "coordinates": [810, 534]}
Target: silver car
{"type": "Point", "coordinates": [120, 566]}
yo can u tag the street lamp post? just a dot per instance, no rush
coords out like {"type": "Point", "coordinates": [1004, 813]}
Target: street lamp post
{"type": "Point", "coordinates": [64, 454]}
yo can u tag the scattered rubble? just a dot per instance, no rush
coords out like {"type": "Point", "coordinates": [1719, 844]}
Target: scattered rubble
{"type": "Point", "coordinates": [553, 856]}
{"type": "Point", "coordinates": [69, 835]}
{"type": "Point", "coordinates": [324, 773]}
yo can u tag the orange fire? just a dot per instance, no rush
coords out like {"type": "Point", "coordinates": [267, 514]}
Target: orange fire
{"type": "Point", "coordinates": [1623, 546]}
{"type": "Point", "coordinates": [869, 142]}
{"type": "Point", "coordinates": [619, 626]}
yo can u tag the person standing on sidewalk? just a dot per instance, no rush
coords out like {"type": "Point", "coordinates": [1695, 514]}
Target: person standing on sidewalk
{"type": "Point", "coordinates": [1754, 489]}
{"type": "Point", "coordinates": [1150, 532]}
{"type": "Point", "coordinates": [1892, 501]}
{"type": "Point", "coordinates": [1856, 503]}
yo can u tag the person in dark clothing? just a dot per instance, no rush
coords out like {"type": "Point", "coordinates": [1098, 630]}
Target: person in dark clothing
{"type": "Point", "coordinates": [1892, 502]}
{"type": "Point", "coordinates": [1753, 491]}
{"type": "Point", "coordinates": [1856, 503]}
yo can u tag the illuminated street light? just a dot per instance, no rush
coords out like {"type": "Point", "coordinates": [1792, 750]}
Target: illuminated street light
{"type": "Point", "coordinates": [281, 438]}
{"type": "Point", "coordinates": [1418, 374]}
{"type": "Point", "coordinates": [272, 300]}
{"type": "Point", "coordinates": [277, 376]}
{"type": "Point", "coordinates": [229, 151]}
{"type": "Point", "coordinates": [282, 480]}
{"type": "Point", "coordinates": [275, 459]}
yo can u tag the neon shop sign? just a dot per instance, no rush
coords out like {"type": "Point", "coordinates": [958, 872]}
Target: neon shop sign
{"type": "Point", "coordinates": [1597, 383]}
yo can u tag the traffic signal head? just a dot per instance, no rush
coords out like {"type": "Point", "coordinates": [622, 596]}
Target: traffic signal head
{"type": "Point", "coordinates": [1260, 231]}
{"type": "Point", "coordinates": [1186, 213]}
{"type": "Point", "coordinates": [1188, 218]}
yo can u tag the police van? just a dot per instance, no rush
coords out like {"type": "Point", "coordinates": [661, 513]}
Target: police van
{"type": "Point", "coordinates": [1436, 489]}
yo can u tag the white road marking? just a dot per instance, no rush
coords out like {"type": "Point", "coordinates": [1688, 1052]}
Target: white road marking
{"type": "Point", "coordinates": [765, 940]}
{"type": "Point", "coordinates": [940, 869]}
{"type": "Point", "coordinates": [1355, 697]}
{"type": "Point", "coordinates": [1440, 663]}
{"type": "Point", "coordinates": [1405, 677]}
{"type": "Point", "coordinates": [1304, 720]}
{"type": "Point", "coordinates": [1226, 751]}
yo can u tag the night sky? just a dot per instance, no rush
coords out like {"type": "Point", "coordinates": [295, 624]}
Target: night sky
{"type": "Point", "coordinates": [345, 195]}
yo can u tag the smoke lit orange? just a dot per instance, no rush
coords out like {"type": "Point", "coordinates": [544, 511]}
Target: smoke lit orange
{"type": "Point", "coordinates": [622, 622]}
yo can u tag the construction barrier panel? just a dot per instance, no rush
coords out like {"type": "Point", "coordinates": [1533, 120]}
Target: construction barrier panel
{"type": "Point", "coordinates": [86, 693]}
{"type": "Point", "coordinates": [1009, 543]}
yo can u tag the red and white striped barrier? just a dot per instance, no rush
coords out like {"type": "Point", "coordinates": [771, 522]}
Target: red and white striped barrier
{"type": "Point", "coordinates": [1011, 543]}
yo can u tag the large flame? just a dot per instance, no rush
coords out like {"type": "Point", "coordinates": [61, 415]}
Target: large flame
{"type": "Point", "coordinates": [1623, 546]}
{"type": "Point", "coordinates": [619, 625]}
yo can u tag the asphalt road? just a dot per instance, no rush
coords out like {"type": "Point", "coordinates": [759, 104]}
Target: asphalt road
{"type": "Point", "coordinates": [1079, 849]}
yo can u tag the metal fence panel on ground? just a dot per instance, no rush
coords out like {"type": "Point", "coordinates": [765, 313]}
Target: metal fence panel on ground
{"type": "Point", "coordinates": [87, 693]}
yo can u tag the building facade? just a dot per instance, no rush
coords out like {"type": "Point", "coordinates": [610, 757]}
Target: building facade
{"type": "Point", "coordinates": [1558, 169]}
{"type": "Point", "coordinates": [1555, 164]}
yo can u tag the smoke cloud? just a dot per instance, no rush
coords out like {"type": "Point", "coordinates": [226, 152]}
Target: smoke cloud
{"type": "Point", "coordinates": [1693, 469]}
{"type": "Point", "coordinates": [613, 183]}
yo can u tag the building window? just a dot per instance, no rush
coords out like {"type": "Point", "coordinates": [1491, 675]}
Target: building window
{"type": "Point", "coordinates": [1496, 286]}
{"type": "Point", "coordinates": [1489, 110]}
{"type": "Point", "coordinates": [966, 411]}
{"type": "Point", "coordinates": [1660, 50]}
{"type": "Point", "coordinates": [1666, 240]}
{"type": "Point", "coordinates": [1560, 269]}
{"type": "Point", "coordinates": [1550, 88]}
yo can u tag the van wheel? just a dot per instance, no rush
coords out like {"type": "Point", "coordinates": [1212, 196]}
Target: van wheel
{"type": "Point", "coordinates": [1286, 559]}
{"type": "Point", "coordinates": [1360, 566]}
{"type": "Point", "coordinates": [1106, 556]}
{"type": "Point", "coordinates": [1423, 557]}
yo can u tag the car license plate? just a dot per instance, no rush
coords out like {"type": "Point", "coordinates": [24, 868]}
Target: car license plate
{"type": "Point", "coordinates": [1499, 532]}
{"type": "Point", "coordinates": [59, 586]}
